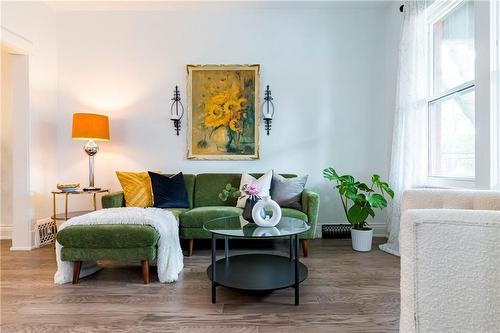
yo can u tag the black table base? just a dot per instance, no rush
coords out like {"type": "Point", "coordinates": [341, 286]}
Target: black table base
{"type": "Point", "coordinates": [258, 272]}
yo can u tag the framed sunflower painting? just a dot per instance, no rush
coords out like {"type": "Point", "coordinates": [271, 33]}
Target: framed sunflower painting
{"type": "Point", "coordinates": [223, 105]}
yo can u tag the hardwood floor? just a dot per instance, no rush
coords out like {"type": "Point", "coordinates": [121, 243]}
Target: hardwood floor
{"type": "Point", "coordinates": [346, 291]}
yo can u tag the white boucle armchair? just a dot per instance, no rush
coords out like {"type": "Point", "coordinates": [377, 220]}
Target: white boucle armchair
{"type": "Point", "coordinates": [450, 261]}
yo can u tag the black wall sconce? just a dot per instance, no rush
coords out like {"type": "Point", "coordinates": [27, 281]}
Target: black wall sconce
{"type": "Point", "coordinates": [176, 110]}
{"type": "Point", "coordinates": [268, 109]}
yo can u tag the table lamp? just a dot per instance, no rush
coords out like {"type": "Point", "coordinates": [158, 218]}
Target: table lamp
{"type": "Point", "coordinates": [91, 127]}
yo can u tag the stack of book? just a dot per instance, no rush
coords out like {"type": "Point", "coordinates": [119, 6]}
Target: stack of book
{"type": "Point", "coordinates": [68, 187]}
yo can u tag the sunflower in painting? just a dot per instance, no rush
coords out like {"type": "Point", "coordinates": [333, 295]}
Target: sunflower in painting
{"type": "Point", "coordinates": [225, 109]}
{"type": "Point", "coordinates": [224, 106]}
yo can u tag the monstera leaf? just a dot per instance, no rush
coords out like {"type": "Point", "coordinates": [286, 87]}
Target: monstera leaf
{"type": "Point", "coordinates": [357, 215]}
{"type": "Point", "coordinates": [330, 174]}
{"type": "Point", "coordinates": [376, 200]}
{"type": "Point", "coordinates": [383, 186]}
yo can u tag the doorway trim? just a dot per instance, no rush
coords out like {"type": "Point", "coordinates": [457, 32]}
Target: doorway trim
{"type": "Point", "coordinates": [22, 207]}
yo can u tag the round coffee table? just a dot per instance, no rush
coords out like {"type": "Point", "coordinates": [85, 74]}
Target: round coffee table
{"type": "Point", "coordinates": [258, 271]}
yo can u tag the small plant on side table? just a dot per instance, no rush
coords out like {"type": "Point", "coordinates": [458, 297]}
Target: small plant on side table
{"type": "Point", "coordinates": [359, 201]}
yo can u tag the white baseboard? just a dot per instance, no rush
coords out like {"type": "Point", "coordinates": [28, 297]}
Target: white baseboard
{"type": "Point", "coordinates": [5, 232]}
{"type": "Point", "coordinates": [33, 242]}
{"type": "Point", "coordinates": [379, 229]}
{"type": "Point", "coordinates": [22, 248]}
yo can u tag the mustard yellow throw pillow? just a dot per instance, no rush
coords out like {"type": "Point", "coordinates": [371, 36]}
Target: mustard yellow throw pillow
{"type": "Point", "coordinates": [136, 188]}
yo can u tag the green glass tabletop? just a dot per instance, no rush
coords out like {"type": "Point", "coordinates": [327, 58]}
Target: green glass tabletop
{"type": "Point", "coordinates": [236, 226]}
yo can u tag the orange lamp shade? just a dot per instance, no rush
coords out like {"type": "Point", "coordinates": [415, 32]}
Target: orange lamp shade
{"type": "Point", "coordinates": [90, 126]}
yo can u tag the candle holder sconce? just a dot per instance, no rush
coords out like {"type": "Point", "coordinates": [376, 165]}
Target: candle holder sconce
{"type": "Point", "coordinates": [268, 110]}
{"type": "Point", "coordinates": [176, 110]}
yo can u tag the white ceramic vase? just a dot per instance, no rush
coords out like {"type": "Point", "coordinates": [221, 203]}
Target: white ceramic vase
{"type": "Point", "coordinates": [260, 207]}
{"type": "Point", "coordinates": [362, 240]}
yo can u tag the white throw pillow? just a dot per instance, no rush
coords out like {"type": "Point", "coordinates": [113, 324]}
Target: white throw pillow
{"type": "Point", "coordinates": [263, 183]}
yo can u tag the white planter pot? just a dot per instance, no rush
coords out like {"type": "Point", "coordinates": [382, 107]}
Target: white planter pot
{"type": "Point", "coordinates": [362, 240]}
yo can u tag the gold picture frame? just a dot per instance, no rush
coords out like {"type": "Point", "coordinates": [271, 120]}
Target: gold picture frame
{"type": "Point", "coordinates": [223, 112]}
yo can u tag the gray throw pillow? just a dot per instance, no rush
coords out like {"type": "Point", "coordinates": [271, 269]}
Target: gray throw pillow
{"type": "Point", "coordinates": [287, 192]}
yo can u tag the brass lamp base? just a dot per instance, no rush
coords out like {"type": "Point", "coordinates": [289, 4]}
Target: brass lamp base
{"type": "Point", "coordinates": [91, 148]}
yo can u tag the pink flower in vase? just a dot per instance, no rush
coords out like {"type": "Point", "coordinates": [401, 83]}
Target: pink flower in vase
{"type": "Point", "coordinates": [252, 191]}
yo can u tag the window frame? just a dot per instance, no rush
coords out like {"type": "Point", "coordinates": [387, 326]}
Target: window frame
{"type": "Point", "coordinates": [436, 12]}
{"type": "Point", "coordinates": [495, 93]}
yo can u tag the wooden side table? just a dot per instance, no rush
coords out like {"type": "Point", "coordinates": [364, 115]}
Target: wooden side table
{"type": "Point", "coordinates": [67, 215]}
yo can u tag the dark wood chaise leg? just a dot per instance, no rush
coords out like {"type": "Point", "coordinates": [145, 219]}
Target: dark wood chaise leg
{"type": "Point", "coordinates": [77, 265]}
{"type": "Point", "coordinates": [305, 247]}
{"type": "Point", "coordinates": [145, 271]}
{"type": "Point", "coordinates": [190, 247]}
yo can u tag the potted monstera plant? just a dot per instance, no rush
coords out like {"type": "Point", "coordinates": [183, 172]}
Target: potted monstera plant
{"type": "Point", "coordinates": [360, 201]}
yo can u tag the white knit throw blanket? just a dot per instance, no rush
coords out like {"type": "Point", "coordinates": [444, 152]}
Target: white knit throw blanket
{"type": "Point", "coordinates": [169, 255]}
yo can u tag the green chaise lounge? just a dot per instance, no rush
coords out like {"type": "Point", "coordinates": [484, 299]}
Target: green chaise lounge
{"type": "Point", "coordinates": [125, 242]}
{"type": "Point", "coordinates": [203, 193]}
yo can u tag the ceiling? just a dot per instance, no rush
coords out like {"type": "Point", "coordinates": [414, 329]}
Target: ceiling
{"type": "Point", "coordinates": [145, 5]}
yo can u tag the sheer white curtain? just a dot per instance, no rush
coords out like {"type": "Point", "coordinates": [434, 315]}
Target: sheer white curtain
{"type": "Point", "coordinates": [409, 152]}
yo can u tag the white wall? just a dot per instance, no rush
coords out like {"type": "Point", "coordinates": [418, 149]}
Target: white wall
{"type": "Point", "coordinates": [326, 66]}
{"type": "Point", "coordinates": [30, 27]}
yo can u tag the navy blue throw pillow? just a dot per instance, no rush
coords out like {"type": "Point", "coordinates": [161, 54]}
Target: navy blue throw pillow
{"type": "Point", "coordinates": [169, 192]}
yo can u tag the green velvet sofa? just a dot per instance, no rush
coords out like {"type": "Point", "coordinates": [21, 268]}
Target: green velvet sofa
{"type": "Point", "coordinates": [203, 194]}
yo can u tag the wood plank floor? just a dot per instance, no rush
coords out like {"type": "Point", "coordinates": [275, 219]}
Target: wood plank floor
{"type": "Point", "coordinates": [346, 291]}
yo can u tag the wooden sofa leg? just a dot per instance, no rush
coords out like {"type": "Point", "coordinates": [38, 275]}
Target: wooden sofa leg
{"type": "Point", "coordinates": [305, 247]}
{"type": "Point", "coordinates": [77, 265]}
{"type": "Point", "coordinates": [190, 247]}
{"type": "Point", "coordinates": [145, 271]}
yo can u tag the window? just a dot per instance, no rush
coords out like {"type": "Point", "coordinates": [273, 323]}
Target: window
{"type": "Point", "coordinates": [495, 92]}
{"type": "Point", "coordinates": [452, 92]}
